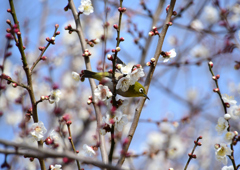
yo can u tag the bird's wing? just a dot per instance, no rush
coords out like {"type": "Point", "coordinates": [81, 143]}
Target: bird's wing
{"type": "Point", "coordinates": [119, 61]}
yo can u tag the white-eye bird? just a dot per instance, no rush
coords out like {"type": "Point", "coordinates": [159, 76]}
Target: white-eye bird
{"type": "Point", "coordinates": [105, 78]}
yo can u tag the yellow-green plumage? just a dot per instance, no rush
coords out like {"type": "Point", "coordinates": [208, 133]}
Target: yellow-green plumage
{"type": "Point", "coordinates": [136, 90]}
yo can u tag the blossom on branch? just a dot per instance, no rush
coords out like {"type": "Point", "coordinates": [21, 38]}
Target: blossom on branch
{"type": "Point", "coordinates": [102, 92]}
{"type": "Point", "coordinates": [124, 83]}
{"type": "Point", "coordinates": [88, 150]}
{"type": "Point", "coordinates": [86, 7]}
{"type": "Point", "coordinates": [38, 130]}
{"type": "Point", "coordinates": [221, 152]}
{"type": "Point", "coordinates": [120, 120]}
{"type": "Point", "coordinates": [55, 96]}
{"type": "Point", "coordinates": [221, 126]}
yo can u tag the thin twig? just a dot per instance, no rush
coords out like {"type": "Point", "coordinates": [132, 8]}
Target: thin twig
{"type": "Point", "coordinates": [148, 81]}
{"type": "Point", "coordinates": [91, 81]}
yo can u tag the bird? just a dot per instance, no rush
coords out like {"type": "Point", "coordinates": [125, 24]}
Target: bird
{"type": "Point", "coordinates": [105, 78]}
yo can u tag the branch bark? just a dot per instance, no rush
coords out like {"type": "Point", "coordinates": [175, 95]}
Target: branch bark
{"type": "Point", "coordinates": [138, 110]}
{"type": "Point", "coordinates": [91, 81]}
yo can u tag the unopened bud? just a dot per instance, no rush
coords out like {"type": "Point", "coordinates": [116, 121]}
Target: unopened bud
{"type": "Point", "coordinates": [89, 102]}
{"type": "Point", "coordinates": [153, 60]}
{"type": "Point", "coordinates": [115, 26]}
{"type": "Point", "coordinates": [148, 64]}
{"type": "Point", "coordinates": [227, 116]}
{"type": "Point", "coordinates": [56, 25]}
{"type": "Point", "coordinates": [14, 85]}
{"type": "Point", "coordinates": [170, 23]}
{"type": "Point", "coordinates": [8, 21]}
{"type": "Point", "coordinates": [216, 90]}
{"type": "Point", "coordinates": [210, 63]}
{"type": "Point", "coordinates": [43, 58]}
{"type": "Point", "coordinates": [9, 10]}
{"type": "Point", "coordinates": [53, 38]}
{"type": "Point", "coordinates": [218, 76]}
{"type": "Point", "coordinates": [58, 32]}
{"type": "Point", "coordinates": [235, 133]}
{"type": "Point", "coordinates": [121, 39]}
{"type": "Point", "coordinates": [214, 77]}
{"type": "Point", "coordinates": [42, 97]}
{"type": "Point", "coordinates": [118, 49]}
{"type": "Point", "coordinates": [174, 13]}
{"type": "Point", "coordinates": [109, 57]}
{"type": "Point", "coordinates": [151, 33]}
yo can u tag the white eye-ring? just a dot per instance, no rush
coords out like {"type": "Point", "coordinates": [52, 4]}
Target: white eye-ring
{"type": "Point", "coordinates": [141, 90]}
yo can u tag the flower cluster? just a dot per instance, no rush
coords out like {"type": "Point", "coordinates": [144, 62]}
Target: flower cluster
{"type": "Point", "coordinates": [131, 74]}
{"type": "Point", "coordinates": [221, 150]}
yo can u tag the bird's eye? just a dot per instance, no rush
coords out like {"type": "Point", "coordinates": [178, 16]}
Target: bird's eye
{"type": "Point", "coordinates": [141, 90]}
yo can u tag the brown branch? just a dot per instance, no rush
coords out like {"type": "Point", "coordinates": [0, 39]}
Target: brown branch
{"type": "Point", "coordinates": [45, 48]}
{"type": "Point", "coordinates": [50, 153]}
{"type": "Point", "coordinates": [148, 81]}
{"type": "Point", "coordinates": [91, 81]}
{"type": "Point", "coordinates": [71, 141]}
{"type": "Point", "coordinates": [29, 78]}
{"type": "Point", "coordinates": [149, 39]}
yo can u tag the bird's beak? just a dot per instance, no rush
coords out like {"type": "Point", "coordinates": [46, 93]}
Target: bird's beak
{"type": "Point", "coordinates": [146, 96]}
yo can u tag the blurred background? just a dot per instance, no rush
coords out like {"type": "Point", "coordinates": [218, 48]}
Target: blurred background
{"type": "Point", "coordinates": [182, 103]}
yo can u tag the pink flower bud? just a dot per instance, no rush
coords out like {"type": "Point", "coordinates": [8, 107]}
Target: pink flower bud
{"type": "Point", "coordinates": [121, 39]}
{"type": "Point", "coordinates": [109, 57]}
{"type": "Point", "coordinates": [43, 58]}
{"type": "Point", "coordinates": [9, 10]}
{"type": "Point", "coordinates": [210, 63]}
{"type": "Point", "coordinates": [89, 102]}
{"type": "Point", "coordinates": [218, 76]}
{"type": "Point", "coordinates": [214, 78]}
{"type": "Point", "coordinates": [115, 26]}
{"type": "Point", "coordinates": [58, 32]}
{"type": "Point", "coordinates": [8, 21]}
{"type": "Point", "coordinates": [216, 90]}
{"type": "Point", "coordinates": [151, 33]}
{"type": "Point", "coordinates": [56, 25]}
{"type": "Point", "coordinates": [170, 23]}
{"type": "Point", "coordinates": [148, 64]}
{"type": "Point", "coordinates": [174, 13]}
{"type": "Point", "coordinates": [14, 85]}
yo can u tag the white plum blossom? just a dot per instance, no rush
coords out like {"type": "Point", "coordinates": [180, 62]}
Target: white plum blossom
{"type": "Point", "coordinates": [124, 83]}
{"type": "Point", "coordinates": [228, 137]}
{"type": "Point", "coordinates": [167, 127]}
{"type": "Point", "coordinates": [136, 74]}
{"type": "Point", "coordinates": [88, 150]}
{"type": "Point", "coordinates": [127, 69]}
{"type": "Point", "coordinates": [228, 167]}
{"type": "Point", "coordinates": [221, 126]}
{"type": "Point", "coordinates": [38, 130]}
{"type": "Point", "coordinates": [169, 55]}
{"type": "Point", "coordinates": [55, 96]}
{"type": "Point", "coordinates": [200, 51]}
{"type": "Point", "coordinates": [197, 25]}
{"type": "Point", "coordinates": [229, 99]}
{"type": "Point", "coordinates": [75, 76]}
{"type": "Point", "coordinates": [86, 7]}
{"type": "Point", "coordinates": [56, 167]}
{"type": "Point", "coordinates": [102, 92]}
{"type": "Point", "coordinates": [211, 14]}
{"type": "Point", "coordinates": [221, 152]}
{"type": "Point", "coordinates": [120, 120]}
{"type": "Point", "coordinates": [234, 111]}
